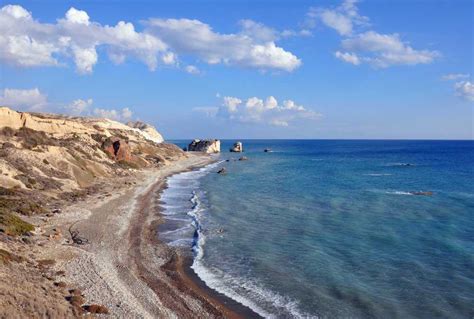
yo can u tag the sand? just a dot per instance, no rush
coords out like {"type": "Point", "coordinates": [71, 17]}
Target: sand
{"type": "Point", "coordinates": [123, 265]}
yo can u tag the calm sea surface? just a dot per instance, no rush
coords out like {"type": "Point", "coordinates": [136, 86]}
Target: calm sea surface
{"type": "Point", "coordinates": [331, 229]}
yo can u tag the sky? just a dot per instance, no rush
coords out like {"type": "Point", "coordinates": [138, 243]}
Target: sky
{"type": "Point", "coordinates": [371, 69]}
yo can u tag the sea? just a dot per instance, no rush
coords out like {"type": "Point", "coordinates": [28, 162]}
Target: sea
{"type": "Point", "coordinates": [332, 228]}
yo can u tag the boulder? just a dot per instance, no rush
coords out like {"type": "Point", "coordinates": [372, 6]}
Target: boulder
{"type": "Point", "coordinates": [237, 148]}
{"type": "Point", "coordinates": [117, 148]}
{"type": "Point", "coordinates": [206, 146]}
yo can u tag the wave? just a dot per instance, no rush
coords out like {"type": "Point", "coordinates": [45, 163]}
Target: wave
{"type": "Point", "coordinates": [230, 285]}
{"type": "Point", "coordinates": [377, 174]}
{"type": "Point", "coordinates": [399, 193]}
{"type": "Point", "coordinates": [246, 291]}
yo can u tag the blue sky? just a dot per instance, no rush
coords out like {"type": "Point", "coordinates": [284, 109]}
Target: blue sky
{"type": "Point", "coordinates": [247, 69]}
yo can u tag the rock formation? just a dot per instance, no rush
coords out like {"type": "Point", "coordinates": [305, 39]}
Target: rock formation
{"type": "Point", "coordinates": [206, 146]}
{"type": "Point", "coordinates": [61, 154]}
{"type": "Point", "coordinates": [148, 131]}
{"type": "Point", "coordinates": [237, 148]}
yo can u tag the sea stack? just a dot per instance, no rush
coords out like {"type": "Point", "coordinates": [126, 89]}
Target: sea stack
{"type": "Point", "coordinates": [237, 148]}
{"type": "Point", "coordinates": [206, 146]}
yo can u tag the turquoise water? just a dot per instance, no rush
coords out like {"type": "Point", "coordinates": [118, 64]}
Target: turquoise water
{"type": "Point", "coordinates": [330, 229]}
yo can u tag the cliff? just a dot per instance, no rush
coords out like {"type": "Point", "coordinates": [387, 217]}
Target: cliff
{"type": "Point", "coordinates": [206, 146]}
{"type": "Point", "coordinates": [57, 154]}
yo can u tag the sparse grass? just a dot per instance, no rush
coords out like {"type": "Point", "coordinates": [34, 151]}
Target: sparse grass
{"type": "Point", "coordinates": [6, 257]}
{"type": "Point", "coordinates": [21, 205]}
{"type": "Point", "coordinates": [126, 164]}
{"type": "Point", "coordinates": [13, 225]}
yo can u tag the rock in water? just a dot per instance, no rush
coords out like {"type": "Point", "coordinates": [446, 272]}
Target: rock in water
{"type": "Point", "coordinates": [267, 150]}
{"type": "Point", "coordinates": [206, 146]}
{"type": "Point", "coordinates": [243, 158]}
{"type": "Point", "coordinates": [222, 171]}
{"type": "Point", "coordinates": [237, 148]}
{"type": "Point", "coordinates": [422, 193]}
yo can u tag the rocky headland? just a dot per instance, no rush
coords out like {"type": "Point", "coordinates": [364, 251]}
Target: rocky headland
{"type": "Point", "coordinates": [78, 216]}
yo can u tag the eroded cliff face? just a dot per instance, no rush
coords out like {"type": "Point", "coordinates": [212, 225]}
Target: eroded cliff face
{"type": "Point", "coordinates": [57, 154]}
{"type": "Point", "coordinates": [47, 162]}
{"type": "Point", "coordinates": [206, 146]}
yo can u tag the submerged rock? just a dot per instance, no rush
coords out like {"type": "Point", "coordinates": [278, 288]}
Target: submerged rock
{"type": "Point", "coordinates": [206, 146]}
{"type": "Point", "coordinates": [222, 171]}
{"type": "Point", "coordinates": [237, 148]}
{"type": "Point", "coordinates": [422, 193]}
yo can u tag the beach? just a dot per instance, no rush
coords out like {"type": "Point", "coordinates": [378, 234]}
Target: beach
{"type": "Point", "coordinates": [123, 265]}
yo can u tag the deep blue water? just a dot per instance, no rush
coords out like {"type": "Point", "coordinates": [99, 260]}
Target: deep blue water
{"type": "Point", "coordinates": [329, 228]}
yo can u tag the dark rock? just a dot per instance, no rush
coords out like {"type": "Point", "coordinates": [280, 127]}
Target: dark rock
{"type": "Point", "coordinates": [267, 150]}
{"type": "Point", "coordinates": [422, 193]}
{"type": "Point", "coordinates": [237, 148]}
{"type": "Point", "coordinates": [96, 309]}
{"type": "Point", "coordinates": [207, 146]}
{"type": "Point", "coordinates": [222, 171]}
{"type": "Point", "coordinates": [243, 158]}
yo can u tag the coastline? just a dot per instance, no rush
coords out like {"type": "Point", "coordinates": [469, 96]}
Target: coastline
{"type": "Point", "coordinates": [128, 269]}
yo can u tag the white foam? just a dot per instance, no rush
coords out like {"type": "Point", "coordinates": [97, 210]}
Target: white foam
{"type": "Point", "coordinates": [216, 279]}
{"type": "Point", "coordinates": [398, 193]}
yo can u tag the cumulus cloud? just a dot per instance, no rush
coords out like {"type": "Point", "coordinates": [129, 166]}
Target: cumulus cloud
{"type": "Point", "coordinates": [79, 106]}
{"type": "Point", "coordinates": [377, 49]}
{"type": "Point", "coordinates": [462, 88]}
{"type": "Point", "coordinates": [196, 38]}
{"type": "Point", "coordinates": [113, 114]}
{"type": "Point", "coordinates": [465, 90]}
{"type": "Point", "coordinates": [31, 99]}
{"type": "Point", "coordinates": [26, 42]}
{"type": "Point", "coordinates": [268, 111]}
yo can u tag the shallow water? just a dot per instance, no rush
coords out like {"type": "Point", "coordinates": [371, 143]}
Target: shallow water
{"type": "Point", "coordinates": [331, 228]}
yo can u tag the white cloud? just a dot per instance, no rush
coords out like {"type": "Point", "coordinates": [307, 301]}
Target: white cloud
{"type": "Point", "coordinates": [77, 16]}
{"type": "Point", "coordinates": [384, 50]}
{"type": "Point", "coordinates": [371, 47]}
{"type": "Point", "coordinates": [113, 114]}
{"type": "Point", "coordinates": [231, 103]}
{"type": "Point", "coordinates": [126, 113]}
{"type": "Point", "coordinates": [191, 69]}
{"type": "Point", "coordinates": [343, 18]}
{"type": "Point", "coordinates": [79, 106]}
{"type": "Point", "coordinates": [455, 76]}
{"type": "Point", "coordinates": [26, 42]}
{"type": "Point", "coordinates": [268, 111]}
{"type": "Point", "coordinates": [31, 99]}
{"type": "Point", "coordinates": [196, 38]}
{"type": "Point", "coordinates": [347, 57]}
{"type": "Point", "coordinates": [465, 89]}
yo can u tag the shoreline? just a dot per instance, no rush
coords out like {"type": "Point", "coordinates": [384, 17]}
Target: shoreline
{"type": "Point", "coordinates": [184, 260]}
{"type": "Point", "coordinates": [126, 267]}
